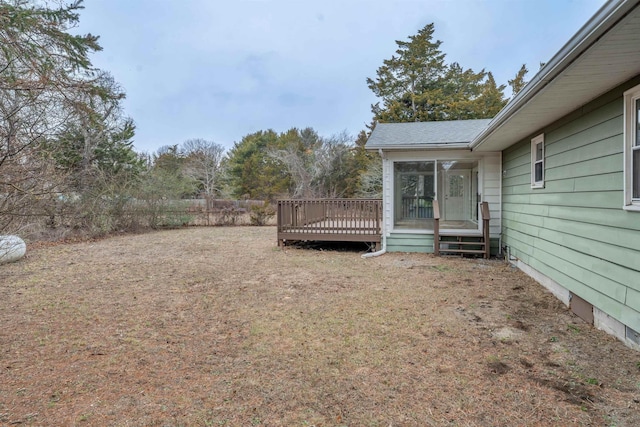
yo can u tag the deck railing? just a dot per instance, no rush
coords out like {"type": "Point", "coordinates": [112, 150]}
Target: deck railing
{"type": "Point", "coordinates": [330, 219]}
{"type": "Point", "coordinates": [417, 207]}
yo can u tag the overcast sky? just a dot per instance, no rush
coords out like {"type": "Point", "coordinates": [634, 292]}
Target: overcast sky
{"type": "Point", "coordinates": [220, 70]}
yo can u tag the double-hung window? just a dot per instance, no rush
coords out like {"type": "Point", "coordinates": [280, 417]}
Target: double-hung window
{"type": "Point", "coordinates": [537, 162]}
{"type": "Point", "coordinates": [632, 149]}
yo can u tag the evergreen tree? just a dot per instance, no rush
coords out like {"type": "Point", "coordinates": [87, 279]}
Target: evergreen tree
{"type": "Point", "coordinates": [167, 175]}
{"type": "Point", "coordinates": [296, 150]}
{"type": "Point", "coordinates": [518, 82]}
{"type": "Point", "coordinates": [42, 68]}
{"type": "Point", "coordinates": [97, 140]}
{"type": "Point", "coordinates": [491, 98]}
{"type": "Point", "coordinates": [406, 82]}
{"type": "Point", "coordinates": [113, 154]}
{"type": "Point", "coordinates": [169, 159]}
{"type": "Point", "coordinates": [297, 164]}
{"type": "Point", "coordinates": [252, 173]}
{"type": "Point", "coordinates": [361, 162]}
{"type": "Point", "coordinates": [460, 94]}
{"type": "Point", "coordinates": [417, 85]}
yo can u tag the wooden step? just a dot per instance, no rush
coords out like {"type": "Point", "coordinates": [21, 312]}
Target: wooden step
{"type": "Point", "coordinates": [456, 242]}
{"type": "Point", "coordinates": [459, 240]}
{"type": "Point", "coordinates": [461, 244]}
{"type": "Point", "coordinates": [462, 251]}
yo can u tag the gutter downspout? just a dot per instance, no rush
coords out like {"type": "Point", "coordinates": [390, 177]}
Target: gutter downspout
{"type": "Point", "coordinates": [383, 250]}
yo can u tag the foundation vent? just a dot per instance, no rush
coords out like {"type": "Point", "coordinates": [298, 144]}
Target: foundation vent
{"type": "Point", "coordinates": [633, 336]}
{"type": "Point", "coordinates": [581, 308]}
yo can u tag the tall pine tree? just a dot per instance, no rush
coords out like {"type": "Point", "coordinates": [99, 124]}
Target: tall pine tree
{"type": "Point", "coordinates": [518, 82]}
{"type": "Point", "coordinates": [416, 84]}
{"type": "Point", "coordinates": [406, 81]}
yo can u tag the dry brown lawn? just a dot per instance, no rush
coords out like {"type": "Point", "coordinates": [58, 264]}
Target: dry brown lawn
{"type": "Point", "coordinates": [217, 326]}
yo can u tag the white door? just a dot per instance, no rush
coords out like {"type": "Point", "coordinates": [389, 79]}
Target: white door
{"type": "Point", "coordinates": [456, 193]}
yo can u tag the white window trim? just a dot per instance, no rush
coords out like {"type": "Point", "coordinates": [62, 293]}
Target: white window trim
{"type": "Point", "coordinates": [630, 98]}
{"type": "Point", "coordinates": [534, 142]}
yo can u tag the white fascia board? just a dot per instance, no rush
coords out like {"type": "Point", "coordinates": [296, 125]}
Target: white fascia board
{"type": "Point", "coordinates": [421, 147]}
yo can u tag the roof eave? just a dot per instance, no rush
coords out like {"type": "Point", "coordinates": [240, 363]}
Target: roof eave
{"type": "Point", "coordinates": [606, 17]}
{"type": "Point", "coordinates": [410, 147]}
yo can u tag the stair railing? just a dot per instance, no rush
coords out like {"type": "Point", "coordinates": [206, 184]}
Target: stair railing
{"type": "Point", "coordinates": [486, 217]}
{"type": "Point", "coordinates": [436, 228]}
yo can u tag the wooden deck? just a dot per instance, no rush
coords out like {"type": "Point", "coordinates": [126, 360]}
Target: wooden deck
{"type": "Point", "coordinates": [342, 220]}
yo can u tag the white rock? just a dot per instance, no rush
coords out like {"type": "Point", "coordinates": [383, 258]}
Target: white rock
{"type": "Point", "coordinates": [12, 248]}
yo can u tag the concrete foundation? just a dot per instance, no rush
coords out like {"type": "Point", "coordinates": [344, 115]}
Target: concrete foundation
{"type": "Point", "coordinates": [601, 320]}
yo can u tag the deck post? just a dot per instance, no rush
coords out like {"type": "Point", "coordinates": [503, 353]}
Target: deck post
{"type": "Point", "coordinates": [436, 228]}
{"type": "Point", "coordinates": [486, 217]}
{"type": "Point", "coordinates": [279, 220]}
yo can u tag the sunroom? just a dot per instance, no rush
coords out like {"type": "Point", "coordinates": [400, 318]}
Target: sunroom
{"type": "Point", "coordinates": [430, 174]}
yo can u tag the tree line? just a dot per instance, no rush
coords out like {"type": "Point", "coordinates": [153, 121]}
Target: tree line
{"type": "Point", "coordinates": [66, 146]}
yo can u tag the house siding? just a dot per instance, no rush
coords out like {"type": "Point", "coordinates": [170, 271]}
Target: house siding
{"type": "Point", "coordinates": [410, 242]}
{"type": "Point", "coordinates": [423, 243]}
{"type": "Point", "coordinates": [492, 192]}
{"type": "Point", "coordinates": [574, 230]}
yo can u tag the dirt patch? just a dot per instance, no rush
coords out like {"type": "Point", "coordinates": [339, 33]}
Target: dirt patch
{"type": "Point", "coordinates": [217, 326]}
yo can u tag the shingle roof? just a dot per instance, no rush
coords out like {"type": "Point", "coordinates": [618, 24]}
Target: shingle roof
{"type": "Point", "coordinates": [452, 134]}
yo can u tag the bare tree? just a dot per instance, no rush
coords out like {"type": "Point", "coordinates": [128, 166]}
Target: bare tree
{"type": "Point", "coordinates": [318, 166]}
{"type": "Point", "coordinates": [298, 165]}
{"type": "Point", "coordinates": [203, 163]}
{"type": "Point", "coordinates": [332, 165]}
{"type": "Point", "coordinates": [371, 181]}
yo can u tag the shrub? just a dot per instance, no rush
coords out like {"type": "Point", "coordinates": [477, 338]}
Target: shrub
{"type": "Point", "coordinates": [229, 216]}
{"type": "Point", "coordinates": [260, 215]}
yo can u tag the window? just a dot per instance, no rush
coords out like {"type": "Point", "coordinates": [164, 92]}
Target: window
{"type": "Point", "coordinates": [414, 194]}
{"type": "Point", "coordinates": [454, 183]}
{"type": "Point", "coordinates": [632, 149]}
{"type": "Point", "coordinates": [537, 162]}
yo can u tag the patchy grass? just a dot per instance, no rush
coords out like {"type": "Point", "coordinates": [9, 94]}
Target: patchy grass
{"type": "Point", "coordinates": [215, 326]}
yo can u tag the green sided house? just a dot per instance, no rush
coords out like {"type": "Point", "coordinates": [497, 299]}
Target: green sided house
{"type": "Point", "coordinates": [558, 168]}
